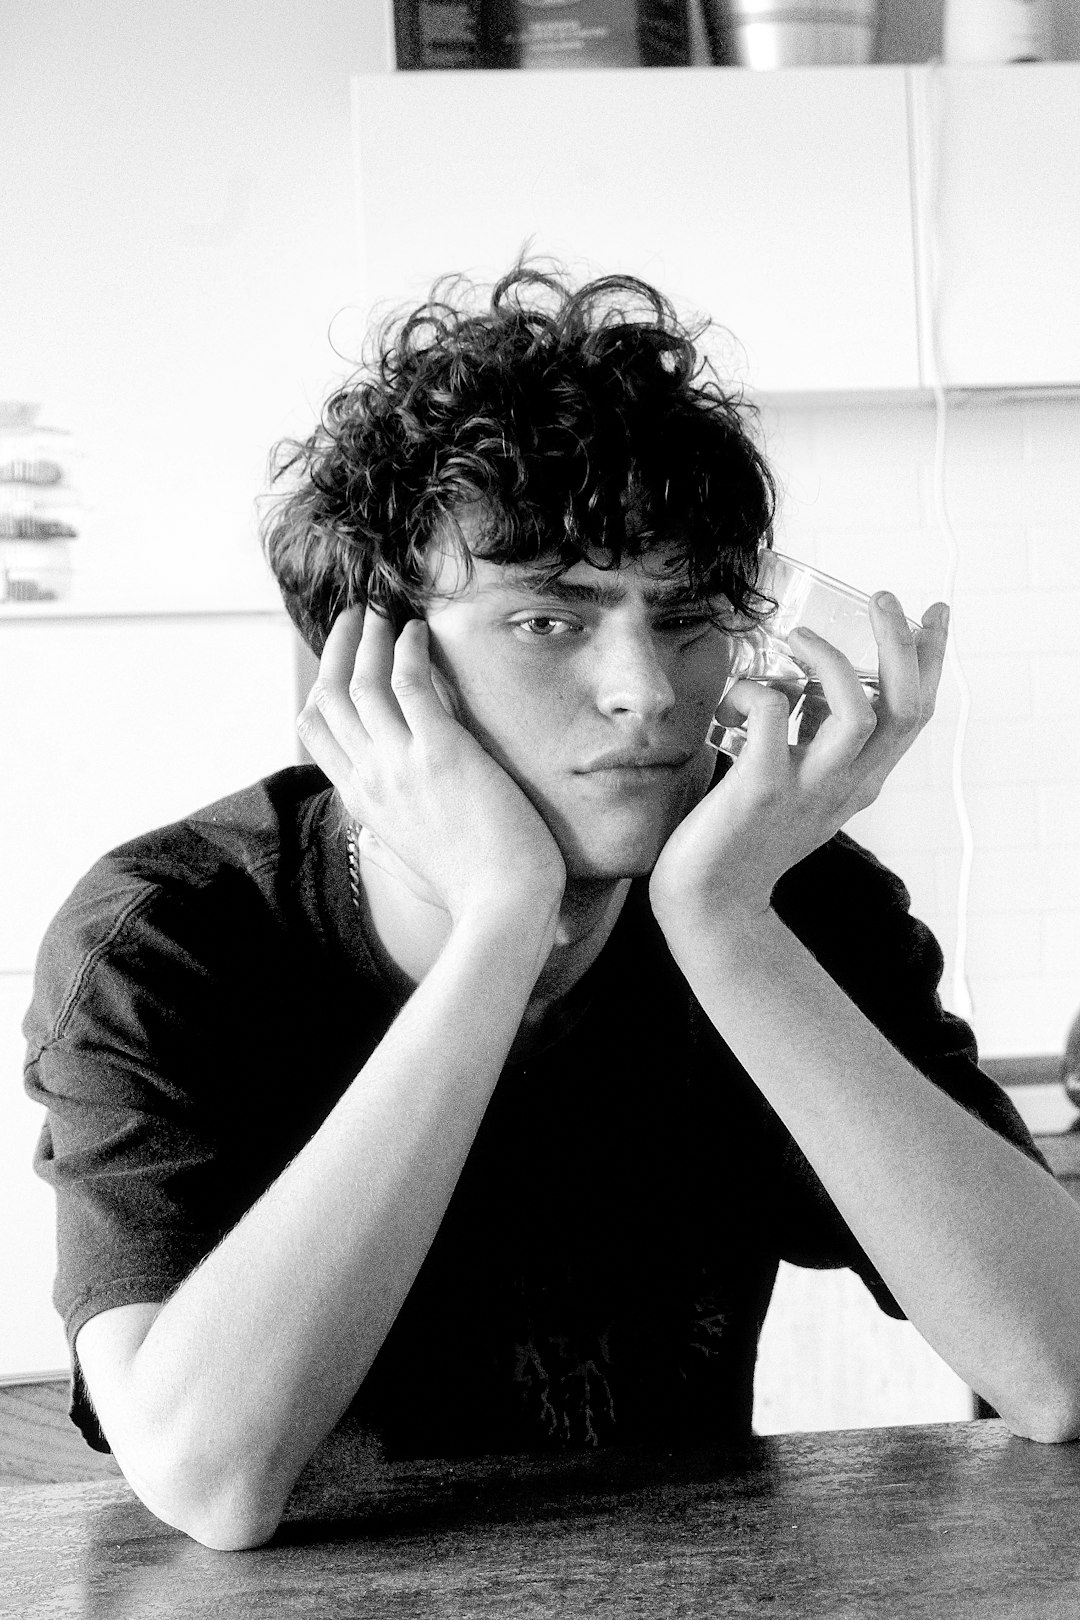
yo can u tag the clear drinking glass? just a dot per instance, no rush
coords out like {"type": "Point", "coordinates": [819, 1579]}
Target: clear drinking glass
{"type": "Point", "coordinates": [803, 596]}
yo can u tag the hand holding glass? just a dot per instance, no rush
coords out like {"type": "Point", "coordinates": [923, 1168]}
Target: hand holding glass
{"type": "Point", "coordinates": [803, 596]}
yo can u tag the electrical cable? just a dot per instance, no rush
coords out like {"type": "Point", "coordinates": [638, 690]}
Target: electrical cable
{"type": "Point", "coordinates": [924, 92]}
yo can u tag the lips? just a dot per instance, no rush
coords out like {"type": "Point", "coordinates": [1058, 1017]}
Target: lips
{"type": "Point", "coordinates": [663, 759]}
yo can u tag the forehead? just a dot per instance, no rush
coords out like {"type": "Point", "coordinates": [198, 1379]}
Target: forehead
{"type": "Point", "coordinates": [657, 577]}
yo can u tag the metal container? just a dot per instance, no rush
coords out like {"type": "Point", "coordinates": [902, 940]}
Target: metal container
{"type": "Point", "coordinates": [803, 33]}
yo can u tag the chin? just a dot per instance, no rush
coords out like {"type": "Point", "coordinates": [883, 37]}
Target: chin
{"type": "Point", "coordinates": [612, 862]}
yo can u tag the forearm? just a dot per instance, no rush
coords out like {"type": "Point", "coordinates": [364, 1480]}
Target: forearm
{"type": "Point", "coordinates": [978, 1244]}
{"type": "Point", "coordinates": [251, 1363]}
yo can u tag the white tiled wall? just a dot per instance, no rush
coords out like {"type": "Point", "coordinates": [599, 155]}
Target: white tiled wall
{"type": "Point", "coordinates": [859, 499]}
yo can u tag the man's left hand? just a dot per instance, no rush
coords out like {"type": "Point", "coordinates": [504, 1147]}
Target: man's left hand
{"type": "Point", "coordinates": [777, 803]}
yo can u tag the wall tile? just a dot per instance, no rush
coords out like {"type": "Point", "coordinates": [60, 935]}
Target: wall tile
{"type": "Point", "coordinates": [1017, 1014]}
{"type": "Point", "coordinates": [860, 483]}
{"type": "Point", "coordinates": [1002, 945]}
{"type": "Point", "coordinates": [1059, 816]}
{"type": "Point", "coordinates": [1052, 430]}
{"type": "Point", "coordinates": [1054, 551]}
{"type": "Point", "coordinates": [1004, 815]}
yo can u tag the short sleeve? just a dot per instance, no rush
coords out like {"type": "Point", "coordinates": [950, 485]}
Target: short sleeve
{"type": "Point", "coordinates": [133, 1049]}
{"type": "Point", "coordinates": [854, 915]}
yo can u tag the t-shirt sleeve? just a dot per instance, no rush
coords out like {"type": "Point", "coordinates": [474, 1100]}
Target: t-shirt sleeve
{"type": "Point", "coordinates": [130, 1042]}
{"type": "Point", "coordinates": [854, 915]}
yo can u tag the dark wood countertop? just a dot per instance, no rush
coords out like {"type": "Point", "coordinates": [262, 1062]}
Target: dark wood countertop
{"type": "Point", "coordinates": [948, 1521]}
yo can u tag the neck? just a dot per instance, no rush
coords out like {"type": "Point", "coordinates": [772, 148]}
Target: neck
{"type": "Point", "coordinates": [411, 929]}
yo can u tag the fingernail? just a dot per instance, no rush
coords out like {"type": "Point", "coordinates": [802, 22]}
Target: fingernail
{"type": "Point", "coordinates": [886, 600]}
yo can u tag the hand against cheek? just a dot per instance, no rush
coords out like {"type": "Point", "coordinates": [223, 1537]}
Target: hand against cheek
{"type": "Point", "coordinates": [447, 818]}
{"type": "Point", "coordinates": [778, 803]}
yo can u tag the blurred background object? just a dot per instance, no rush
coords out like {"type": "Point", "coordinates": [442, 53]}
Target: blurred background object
{"type": "Point", "coordinates": [988, 31]}
{"type": "Point", "coordinates": [38, 506]}
{"type": "Point", "coordinates": [1070, 1065]}
{"type": "Point", "coordinates": [800, 33]}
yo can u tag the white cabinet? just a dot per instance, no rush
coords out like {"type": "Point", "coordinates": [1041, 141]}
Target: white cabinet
{"type": "Point", "coordinates": [109, 726]}
{"type": "Point", "coordinates": [796, 208]}
{"type": "Point", "coordinates": [779, 204]}
{"type": "Point", "coordinates": [1000, 209]}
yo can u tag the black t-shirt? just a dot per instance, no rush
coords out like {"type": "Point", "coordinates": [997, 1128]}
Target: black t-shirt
{"type": "Point", "coordinates": [206, 995]}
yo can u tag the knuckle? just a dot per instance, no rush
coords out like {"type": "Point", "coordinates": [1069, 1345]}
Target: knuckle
{"type": "Point", "coordinates": [404, 680]}
{"type": "Point", "coordinates": [320, 697]}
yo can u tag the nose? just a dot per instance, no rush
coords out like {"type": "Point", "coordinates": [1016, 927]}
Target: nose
{"type": "Point", "coordinates": [632, 678]}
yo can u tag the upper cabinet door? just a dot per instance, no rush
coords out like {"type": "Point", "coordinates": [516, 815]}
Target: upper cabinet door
{"type": "Point", "coordinates": [1003, 151]}
{"type": "Point", "coordinates": [779, 204]}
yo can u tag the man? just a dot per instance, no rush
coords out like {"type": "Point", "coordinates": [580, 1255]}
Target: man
{"type": "Point", "coordinates": [467, 1096]}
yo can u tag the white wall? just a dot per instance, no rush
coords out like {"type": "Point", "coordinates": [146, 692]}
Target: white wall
{"type": "Point", "coordinates": [178, 241]}
{"type": "Point", "coordinates": [859, 500]}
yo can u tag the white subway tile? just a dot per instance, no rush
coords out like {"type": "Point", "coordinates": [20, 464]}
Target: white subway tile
{"type": "Point", "coordinates": [886, 495]}
{"type": "Point", "coordinates": [1054, 553]}
{"type": "Point", "coordinates": [1059, 816]}
{"type": "Point", "coordinates": [1055, 684]}
{"type": "Point", "coordinates": [1002, 944]}
{"type": "Point", "coordinates": [983, 492]}
{"type": "Point", "coordinates": [1003, 623]}
{"type": "Point", "coordinates": [977, 431]}
{"type": "Point", "coordinates": [1022, 880]}
{"type": "Point", "coordinates": [1021, 1014]}
{"type": "Point", "coordinates": [998, 685]}
{"type": "Point", "coordinates": [1004, 815]}
{"type": "Point", "coordinates": [1052, 429]}
{"type": "Point", "coordinates": [990, 557]}
{"type": "Point", "coordinates": [1061, 944]}
{"type": "Point", "coordinates": [912, 820]}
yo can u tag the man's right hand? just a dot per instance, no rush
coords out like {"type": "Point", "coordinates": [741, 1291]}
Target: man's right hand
{"type": "Point", "coordinates": [417, 780]}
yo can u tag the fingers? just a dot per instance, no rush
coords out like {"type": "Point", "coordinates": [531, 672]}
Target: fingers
{"type": "Point", "coordinates": [899, 675]}
{"type": "Point", "coordinates": [767, 711]}
{"type": "Point", "coordinates": [932, 643]}
{"type": "Point", "coordinates": [842, 733]}
{"type": "Point", "coordinates": [371, 691]}
{"type": "Point", "coordinates": [328, 725]}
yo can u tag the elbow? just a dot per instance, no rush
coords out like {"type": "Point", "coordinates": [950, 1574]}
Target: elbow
{"type": "Point", "coordinates": [225, 1511]}
{"type": "Point", "coordinates": [233, 1521]}
{"type": "Point", "coordinates": [1049, 1425]}
{"type": "Point", "coordinates": [1050, 1414]}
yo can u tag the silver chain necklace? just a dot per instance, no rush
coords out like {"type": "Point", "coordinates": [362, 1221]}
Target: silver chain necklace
{"type": "Point", "coordinates": [352, 847]}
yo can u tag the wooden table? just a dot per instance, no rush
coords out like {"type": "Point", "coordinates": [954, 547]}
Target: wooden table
{"type": "Point", "coordinates": [947, 1520]}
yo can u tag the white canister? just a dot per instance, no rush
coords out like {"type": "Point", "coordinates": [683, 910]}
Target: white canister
{"type": "Point", "coordinates": [996, 31]}
{"type": "Point", "coordinates": [802, 33]}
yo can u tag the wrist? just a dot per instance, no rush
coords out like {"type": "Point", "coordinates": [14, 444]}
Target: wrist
{"type": "Point", "coordinates": [731, 913]}
{"type": "Point", "coordinates": [522, 923]}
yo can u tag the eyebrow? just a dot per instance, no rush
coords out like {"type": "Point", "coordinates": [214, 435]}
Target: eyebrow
{"type": "Point", "coordinates": [597, 593]}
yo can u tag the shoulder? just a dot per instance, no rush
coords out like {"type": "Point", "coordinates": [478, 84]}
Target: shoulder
{"type": "Point", "coordinates": [847, 906]}
{"type": "Point", "coordinates": [176, 903]}
{"type": "Point", "coordinates": [840, 873]}
{"type": "Point", "coordinates": [854, 914]}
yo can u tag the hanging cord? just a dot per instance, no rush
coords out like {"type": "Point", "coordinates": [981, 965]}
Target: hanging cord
{"type": "Point", "coordinates": [924, 93]}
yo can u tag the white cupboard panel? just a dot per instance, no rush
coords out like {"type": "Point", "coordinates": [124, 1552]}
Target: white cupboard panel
{"type": "Point", "coordinates": [779, 204]}
{"type": "Point", "coordinates": [1000, 206]}
{"type": "Point", "coordinates": [112, 726]}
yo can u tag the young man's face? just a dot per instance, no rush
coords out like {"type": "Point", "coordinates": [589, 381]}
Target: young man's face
{"type": "Point", "coordinates": [595, 694]}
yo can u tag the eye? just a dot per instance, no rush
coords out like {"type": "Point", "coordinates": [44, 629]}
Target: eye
{"type": "Point", "coordinates": [687, 624]}
{"type": "Point", "coordinates": [544, 626]}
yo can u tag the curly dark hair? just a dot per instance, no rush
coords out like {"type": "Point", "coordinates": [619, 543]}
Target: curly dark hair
{"type": "Point", "coordinates": [579, 425]}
